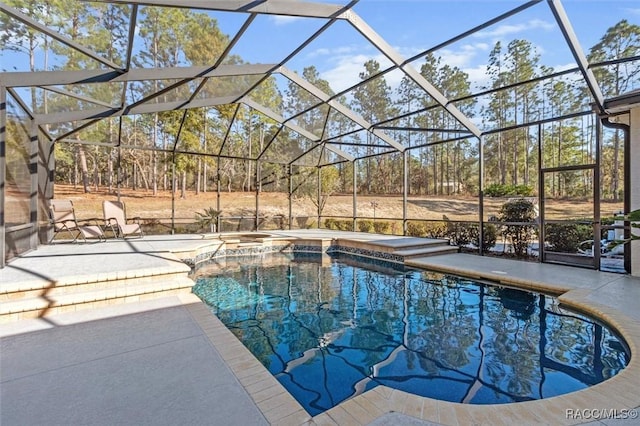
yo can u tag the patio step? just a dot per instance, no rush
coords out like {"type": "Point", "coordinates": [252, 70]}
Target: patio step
{"type": "Point", "coordinates": [56, 302]}
{"type": "Point", "coordinates": [39, 298]}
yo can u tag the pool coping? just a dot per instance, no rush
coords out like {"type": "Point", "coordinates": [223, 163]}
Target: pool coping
{"type": "Point", "coordinates": [617, 397]}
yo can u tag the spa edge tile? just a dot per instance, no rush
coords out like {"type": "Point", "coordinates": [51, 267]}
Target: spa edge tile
{"type": "Point", "coordinates": [377, 400]}
{"type": "Point", "coordinates": [447, 413]}
{"type": "Point", "coordinates": [360, 414]}
{"type": "Point", "coordinates": [430, 410]}
{"type": "Point", "coordinates": [280, 408]}
{"type": "Point", "coordinates": [260, 385]}
{"type": "Point", "coordinates": [323, 419]}
{"type": "Point", "coordinates": [413, 406]}
{"type": "Point", "coordinates": [342, 417]}
{"type": "Point", "coordinates": [297, 418]}
{"type": "Point", "coordinates": [266, 394]}
{"type": "Point", "coordinates": [368, 405]}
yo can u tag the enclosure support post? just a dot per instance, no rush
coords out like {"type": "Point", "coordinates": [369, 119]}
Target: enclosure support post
{"type": "Point", "coordinates": [290, 176]}
{"type": "Point", "coordinates": [119, 174]}
{"type": "Point", "coordinates": [173, 193]}
{"type": "Point", "coordinates": [481, 195]}
{"type": "Point", "coordinates": [355, 185]}
{"type": "Point", "coordinates": [46, 178]}
{"type": "Point", "coordinates": [33, 197]}
{"type": "Point", "coordinates": [257, 177]}
{"type": "Point", "coordinates": [3, 172]}
{"type": "Point", "coordinates": [597, 233]}
{"type": "Point", "coordinates": [541, 220]}
{"type": "Point", "coordinates": [218, 193]}
{"type": "Point", "coordinates": [404, 191]}
{"type": "Point", "coordinates": [319, 194]}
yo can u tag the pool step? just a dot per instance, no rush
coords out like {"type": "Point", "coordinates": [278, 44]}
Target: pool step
{"type": "Point", "coordinates": [427, 251]}
{"type": "Point", "coordinates": [405, 247]}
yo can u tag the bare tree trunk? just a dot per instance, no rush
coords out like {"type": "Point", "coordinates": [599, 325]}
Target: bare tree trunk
{"type": "Point", "coordinates": [75, 169]}
{"type": "Point", "coordinates": [183, 193]}
{"type": "Point", "coordinates": [154, 172]}
{"type": "Point", "coordinates": [110, 171]}
{"type": "Point", "coordinates": [199, 176]}
{"type": "Point", "coordinates": [83, 166]}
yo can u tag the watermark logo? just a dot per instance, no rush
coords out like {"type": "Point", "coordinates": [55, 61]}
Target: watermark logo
{"type": "Point", "coordinates": [601, 414]}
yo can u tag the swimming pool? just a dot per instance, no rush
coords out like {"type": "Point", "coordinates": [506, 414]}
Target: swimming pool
{"type": "Point", "coordinates": [332, 330]}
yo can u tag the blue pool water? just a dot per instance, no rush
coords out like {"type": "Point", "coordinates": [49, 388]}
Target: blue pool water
{"type": "Point", "coordinates": [332, 330]}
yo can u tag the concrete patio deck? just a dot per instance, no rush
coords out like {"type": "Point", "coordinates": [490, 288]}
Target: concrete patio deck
{"type": "Point", "coordinates": [169, 361]}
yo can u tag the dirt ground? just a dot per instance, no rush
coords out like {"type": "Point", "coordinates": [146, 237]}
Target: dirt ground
{"type": "Point", "coordinates": [145, 205]}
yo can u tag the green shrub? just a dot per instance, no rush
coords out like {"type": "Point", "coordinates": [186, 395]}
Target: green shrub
{"type": "Point", "coordinates": [489, 236]}
{"type": "Point", "coordinates": [518, 210]}
{"type": "Point", "coordinates": [416, 229]}
{"type": "Point", "coordinates": [330, 223]}
{"type": "Point", "coordinates": [381, 227]}
{"type": "Point", "coordinates": [365, 225]}
{"type": "Point", "coordinates": [495, 190]}
{"type": "Point", "coordinates": [436, 229]}
{"type": "Point", "coordinates": [565, 237]}
{"type": "Point", "coordinates": [458, 233]}
{"type": "Point", "coordinates": [345, 225]}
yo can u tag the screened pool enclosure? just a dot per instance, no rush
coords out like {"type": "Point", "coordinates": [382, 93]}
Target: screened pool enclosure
{"type": "Point", "coordinates": [509, 127]}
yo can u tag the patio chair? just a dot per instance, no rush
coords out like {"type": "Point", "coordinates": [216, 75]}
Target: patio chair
{"type": "Point", "coordinates": [116, 218]}
{"type": "Point", "coordinates": [62, 216]}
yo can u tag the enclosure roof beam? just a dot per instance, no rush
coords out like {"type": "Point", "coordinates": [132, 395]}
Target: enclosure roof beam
{"type": "Point", "coordinates": [14, 13]}
{"type": "Point", "coordinates": [228, 130]}
{"type": "Point", "coordinates": [83, 142]}
{"type": "Point", "coordinates": [424, 129]}
{"type": "Point", "coordinates": [271, 7]}
{"type": "Point", "coordinates": [99, 113]}
{"type": "Point", "coordinates": [274, 116]}
{"type": "Point", "coordinates": [339, 152]}
{"type": "Point", "coordinates": [127, 62]}
{"type": "Point", "coordinates": [574, 45]}
{"type": "Point", "coordinates": [78, 97]}
{"type": "Point", "coordinates": [21, 102]}
{"type": "Point", "coordinates": [280, 119]}
{"type": "Point", "coordinates": [55, 78]}
{"type": "Point", "coordinates": [77, 129]}
{"type": "Point", "coordinates": [304, 154]}
{"type": "Point", "coordinates": [28, 111]}
{"type": "Point", "coordinates": [299, 48]}
{"type": "Point", "coordinates": [338, 107]}
{"type": "Point", "coordinates": [377, 41]}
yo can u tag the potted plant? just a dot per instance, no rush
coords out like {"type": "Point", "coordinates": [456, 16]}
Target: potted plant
{"type": "Point", "coordinates": [208, 218]}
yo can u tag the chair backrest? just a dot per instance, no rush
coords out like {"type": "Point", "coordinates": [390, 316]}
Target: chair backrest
{"type": "Point", "coordinates": [61, 211]}
{"type": "Point", "coordinates": [114, 210]}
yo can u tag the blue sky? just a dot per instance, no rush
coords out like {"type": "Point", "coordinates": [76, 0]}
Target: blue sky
{"type": "Point", "coordinates": [412, 26]}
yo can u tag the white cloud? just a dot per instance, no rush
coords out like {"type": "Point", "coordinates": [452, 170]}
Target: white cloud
{"type": "Point", "coordinates": [478, 77]}
{"type": "Point", "coordinates": [505, 29]}
{"type": "Point", "coordinates": [632, 11]}
{"type": "Point", "coordinates": [462, 57]}
{"type": "Point", "coordinates": [283, 20]}
{"type": "Point", "coordinates": [347, 68]}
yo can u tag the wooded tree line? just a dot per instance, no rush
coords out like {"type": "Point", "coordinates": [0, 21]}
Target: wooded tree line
{"type": "Point", "coordinates": [442, 160]}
